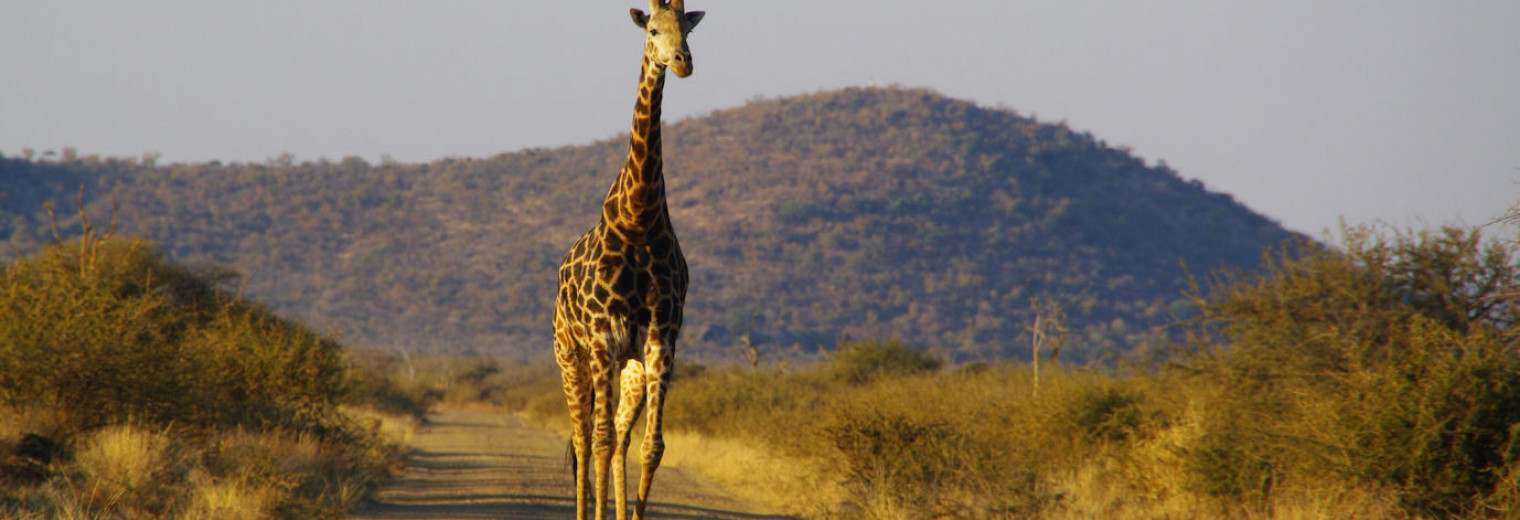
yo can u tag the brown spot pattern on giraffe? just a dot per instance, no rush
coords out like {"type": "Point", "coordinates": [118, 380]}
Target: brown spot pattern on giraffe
{"type": "Point", "coordinates": [622, 287]}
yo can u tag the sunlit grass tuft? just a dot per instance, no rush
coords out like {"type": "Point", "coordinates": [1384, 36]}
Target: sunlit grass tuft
{"type": "Point", "coordinates": [125, 466]}
{"type": "Point", "coordinates": [229, 498]}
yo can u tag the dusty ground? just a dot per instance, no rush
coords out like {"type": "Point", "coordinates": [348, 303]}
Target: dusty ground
{"type": "Point", "coordinates": [475, 465]}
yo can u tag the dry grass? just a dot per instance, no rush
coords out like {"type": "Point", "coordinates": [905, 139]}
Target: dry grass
{"type": "Point", "coordinates": [136, 471]}
{"type": "Point", "coordinates": [395, 430]}
{"type": "Point", "coordinates": [229, 498]}
{"type": "Point", "coordinates": [973, 444]}
{"type": "Point", "coordinates": [794, 485]}
{"type": "Point", "coordinates": [125, 466]}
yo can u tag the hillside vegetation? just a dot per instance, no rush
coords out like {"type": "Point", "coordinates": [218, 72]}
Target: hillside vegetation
{"type": "Point", "coordinates": [866, 212]}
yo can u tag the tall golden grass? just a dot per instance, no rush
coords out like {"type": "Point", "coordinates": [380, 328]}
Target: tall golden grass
{"type": "Point", "coordinates": [123, 464]}
{"type": "Point", "coordinates": [136, 470]}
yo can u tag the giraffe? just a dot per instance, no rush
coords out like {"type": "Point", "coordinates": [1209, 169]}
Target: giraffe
{"type": "Point", "coordinates": [617, 311]}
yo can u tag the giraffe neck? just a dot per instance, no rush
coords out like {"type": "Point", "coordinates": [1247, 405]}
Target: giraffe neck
{"type": "Point", "coordinates": [635, 205]}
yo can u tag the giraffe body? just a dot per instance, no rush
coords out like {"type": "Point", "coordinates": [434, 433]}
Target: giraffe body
{"type": "Point", "coordinates": [622, 286]}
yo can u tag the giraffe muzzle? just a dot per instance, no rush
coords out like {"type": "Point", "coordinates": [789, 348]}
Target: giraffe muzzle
{"type": "Point", "coordinates": [681, 65]}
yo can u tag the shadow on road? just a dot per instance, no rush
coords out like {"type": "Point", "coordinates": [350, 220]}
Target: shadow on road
{"type": "Point", "coordinates": [538, 508]}
{"type": "Point", "coordinates": [476, 466]}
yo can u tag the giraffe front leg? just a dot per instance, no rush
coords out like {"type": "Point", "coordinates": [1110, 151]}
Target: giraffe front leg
{"type": "Point", "coordinates": [576, 378]}
{"type": "Point", "coordinates": [656, 383]}
{"type": "Point", "coordinates": [601, 424]}
{"type": "Point", "coordinates": [630, 405]}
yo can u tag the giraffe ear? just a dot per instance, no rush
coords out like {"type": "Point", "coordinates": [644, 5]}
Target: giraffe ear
{"type": "Point", "coordinates": [639, 18]}
{"type": "Point", "coordinates": [692, 17]}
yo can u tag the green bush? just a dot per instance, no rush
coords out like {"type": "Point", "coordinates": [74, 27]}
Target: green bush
{"type": "Point", "coordinates": [894, 461]}
{"type": "Point", "coordinates": [861, 361]}
{"type": "Point", "coordinates": [93, 339]}
{"type": "Point", "coordinates": [1105, 414]}
{"type": "Point", "coordinates": [156, 389]}
{"type": "Point", "coordinates": [1393, 363]}
{"type": "Point", "coordinates": [98, 330]}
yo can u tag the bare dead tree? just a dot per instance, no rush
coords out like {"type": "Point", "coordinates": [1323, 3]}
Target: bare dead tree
{"type": "Point", "coordinates": [1511, 218]}
{"type": "Point", "coordinates": [89, 243]}
{"type": "Point", "coordinates": [750, 352]}
{"type": "Point", "coordinates": [1047, 333]}
{"type": "Point", "coordinates": [747, 347]}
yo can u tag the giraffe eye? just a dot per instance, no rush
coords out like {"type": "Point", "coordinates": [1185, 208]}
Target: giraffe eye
{"type": "Point", "coordinates": [654, 32]}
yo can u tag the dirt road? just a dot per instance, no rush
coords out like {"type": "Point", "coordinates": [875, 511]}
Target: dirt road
{"type": "Point", "coordinates": [476, 465]}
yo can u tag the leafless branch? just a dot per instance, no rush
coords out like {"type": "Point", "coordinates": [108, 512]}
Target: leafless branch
{"type": "Point", "coordinates": [57, 238]}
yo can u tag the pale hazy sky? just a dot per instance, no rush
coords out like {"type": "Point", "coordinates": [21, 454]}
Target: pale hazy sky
{"type": "Point", "coordinates": [1400, 111]}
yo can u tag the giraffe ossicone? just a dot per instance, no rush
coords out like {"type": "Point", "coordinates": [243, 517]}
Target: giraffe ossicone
{"type": "Point", "coordinates": [622, 287]}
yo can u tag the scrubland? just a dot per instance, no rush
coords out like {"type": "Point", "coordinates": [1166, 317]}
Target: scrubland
{"type": "Point", "coordinates": [1377, 379]}
{"type": "Point", "coordinates": [132, 387]}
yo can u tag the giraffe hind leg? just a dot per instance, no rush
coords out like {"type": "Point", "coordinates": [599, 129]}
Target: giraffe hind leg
{"type": "Point", "coordinates": [630, 405]}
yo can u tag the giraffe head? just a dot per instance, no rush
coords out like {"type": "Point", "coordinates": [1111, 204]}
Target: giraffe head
{"type": "Point", "coordinates": [667, 25]}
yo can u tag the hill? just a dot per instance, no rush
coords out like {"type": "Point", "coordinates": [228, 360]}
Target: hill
{"type": "Point", "coordinates": [867, 212]}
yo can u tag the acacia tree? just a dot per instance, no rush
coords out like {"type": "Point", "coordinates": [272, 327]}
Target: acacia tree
{"type": "Point", "coordinates": [1392, 361]}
